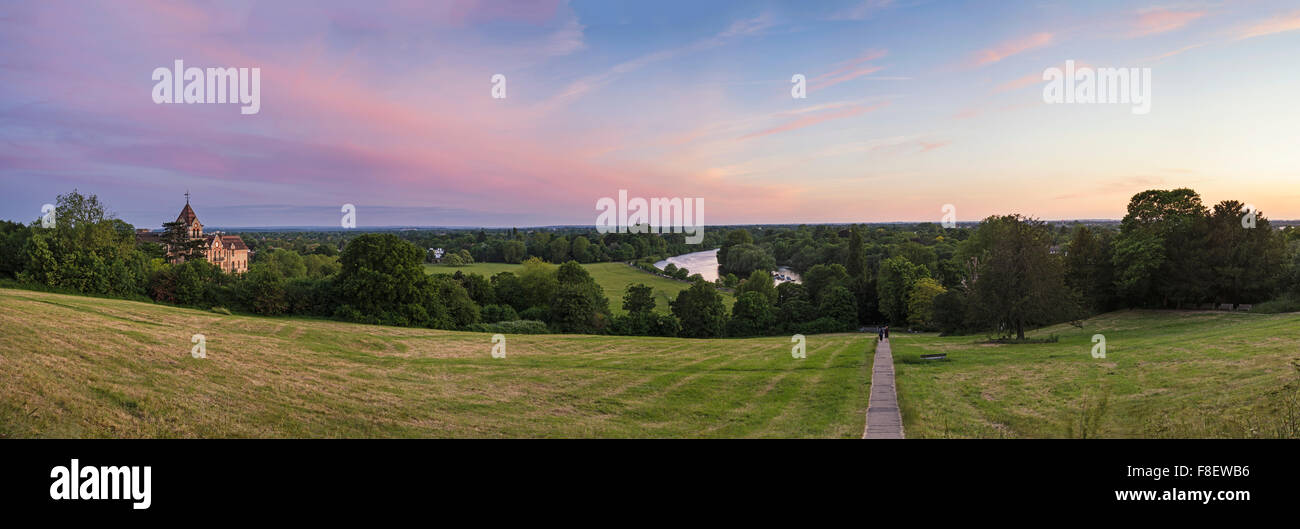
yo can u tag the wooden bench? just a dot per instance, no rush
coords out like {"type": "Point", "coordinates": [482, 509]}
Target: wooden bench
{"type": "Point", "coordinates": [934, 356]}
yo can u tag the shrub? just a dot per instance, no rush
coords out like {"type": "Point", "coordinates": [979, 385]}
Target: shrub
{"type": "Point", "coordinates": [512, 327]}
{"type": "Point", "coordinates": [1279, 305]}
{"type": "Point", "coordinates": [496, 313]}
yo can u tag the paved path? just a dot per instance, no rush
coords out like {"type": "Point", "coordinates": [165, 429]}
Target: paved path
{"type": "Point", "coordinates": [883, 419]}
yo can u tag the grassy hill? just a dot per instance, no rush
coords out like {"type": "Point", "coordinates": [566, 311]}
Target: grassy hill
{"type": "Point", "coordinates": [86, 367]}
{"type": "Point", "coordinates": [613, 278]}
{"type": "Point", "coordinates": [1165, 374]}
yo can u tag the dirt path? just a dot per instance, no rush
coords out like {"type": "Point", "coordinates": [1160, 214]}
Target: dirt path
{"type": "Point", "coordinates": [883, 418]}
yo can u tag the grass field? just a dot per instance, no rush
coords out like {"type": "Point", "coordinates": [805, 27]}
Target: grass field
{"type": "Point", "coordinates": [1165, 374]}
{"type": "Point", "coordinates": [613, 278]}
{"type": "Point", "coordinates": [85, 367]}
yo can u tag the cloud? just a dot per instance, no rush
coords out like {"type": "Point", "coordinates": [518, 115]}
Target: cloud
{"type": "Point", "coordinates": [584, 85]}
{"type": "Point", "coordinates": [848, 70]}
{"type": "Point", "coordinates": [1169, 54]}
{"type": "Point", "coordinates": [565, 40]}
{"type": "Point", "coordinates": [1161, 20]}
{"type": "Point", "coordinates": [1276, 24]}
{"type": "Point", "coordinates": [1033, 78]}
{"type": "Point", "coordinates": [748, 26]}
{"type": "Point", "coordinates": [808, 121]}
{"type": "Point", "coordinates": [1006, 49]}
{"type": "Point", "coordinates": [862, 10]}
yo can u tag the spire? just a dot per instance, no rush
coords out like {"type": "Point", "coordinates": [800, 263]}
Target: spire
{"type": "Point", "coordinates": [187, 196]}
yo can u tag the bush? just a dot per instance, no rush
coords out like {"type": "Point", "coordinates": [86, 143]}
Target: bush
{"type": "Point", "coordinates": [496, 313]}
{"type": "Point", "coordinates": [1279, 305]}
{"type": "Point", "coordinates": [512, 327]}
{"type": "Point", "coordinates": [538, 313]}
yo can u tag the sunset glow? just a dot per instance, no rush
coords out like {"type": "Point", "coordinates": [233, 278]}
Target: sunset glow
{"type": "Point", "coordinates": [910, 106]}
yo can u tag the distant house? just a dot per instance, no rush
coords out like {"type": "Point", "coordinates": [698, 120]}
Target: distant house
{"type": "Point", "coordinates": [228, 252]}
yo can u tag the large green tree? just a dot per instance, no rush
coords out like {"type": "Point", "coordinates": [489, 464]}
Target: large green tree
{"type": "Point", "coordinates": [700, 311]}
{"type": "Point", "coordinates": [894, 285]}
{"type": "Point", "coordinates": [1018, 282]}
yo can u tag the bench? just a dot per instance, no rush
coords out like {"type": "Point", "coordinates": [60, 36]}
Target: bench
{"type": "Point", "coordinates": [934, 356]}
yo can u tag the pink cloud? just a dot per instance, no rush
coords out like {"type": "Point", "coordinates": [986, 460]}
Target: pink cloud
{"type": "Point", "coordinates": [1006, 49]}
{"type": "Point", "coordinates": [808, 121]}
{"type": "Point", "coordinates": [1275, 24]}
{"type": "Point", "coordinates": [1031, 79]}
{"type": "Point", "coordinates": [848, 70]}
{"type": "Point", "coordinates": [1178, 51]}
{"type": "Point", "coordinates": [1161, 20]}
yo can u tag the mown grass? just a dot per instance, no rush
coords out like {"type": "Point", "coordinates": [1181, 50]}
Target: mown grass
{"type": "Point", "coordinates": [1165, 374]}
{"type": "Point", "coordinates": [613, 278]}
{"type": "Point", "coordinates": [85, 367]}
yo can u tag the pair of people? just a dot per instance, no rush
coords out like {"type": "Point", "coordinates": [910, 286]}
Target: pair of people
{"type": "Point", "coordinates": [884, 332]}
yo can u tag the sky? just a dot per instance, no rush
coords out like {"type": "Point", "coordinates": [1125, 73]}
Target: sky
{"type": "Point", "coordinates": [910, 105]}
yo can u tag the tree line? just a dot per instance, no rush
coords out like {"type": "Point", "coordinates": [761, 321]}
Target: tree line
{"type": "Point", "coordinates": [1003, 276]}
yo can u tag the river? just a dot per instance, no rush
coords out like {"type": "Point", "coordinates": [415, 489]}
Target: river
{"type": "Point", "coordinates": [706, 264]}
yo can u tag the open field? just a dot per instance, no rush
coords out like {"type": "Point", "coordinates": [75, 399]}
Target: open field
{"type": "Point", "coordinates": [1166, 374]}
{"type": "Point", "coordinates": [613, 278]}
{"type": "Point", "coordinates": [86, 367]}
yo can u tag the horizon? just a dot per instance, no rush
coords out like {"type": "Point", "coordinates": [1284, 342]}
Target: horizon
{"type": "Point", "coordinates": [910, 106]}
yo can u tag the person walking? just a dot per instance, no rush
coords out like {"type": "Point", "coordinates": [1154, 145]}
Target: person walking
{"type": "Point", "coordinates": [886, 332]}
{"type": "Point", "coordinates": [880, 333]}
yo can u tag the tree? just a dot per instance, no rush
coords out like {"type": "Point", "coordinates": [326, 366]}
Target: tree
{"type": "Point", "coordinates": [744, 259]}
{"type": "Point", "coordinates": [558, 250]}
{"type": "Point", "coordinates": [537, 279]}
{"type": "Point", "coordinates": [821, 277]}
{"type": "Point", "coordinates": [700, 311]}
{"type": "Point", "coordinates": [733, 238]}
{"type": "Point", "coordinates": [1019, 282]}
{"type": "Point", "coordinates": [479, 288]}
{"type": "Point", "coordinates": [950, 312]}
{"type": "Point", "coordinates": [794, 307]}
{"type": "Point", "coordinates": [382, 279]}
{"type": "Point", "coordinates": [920, 303]}
{"type": "Point", "coordinates": [751, 315]}
{"type": "Point", "coordinates": [839, 305]}
{"type": "Point", "coordinates": [581, 248]}
{"type": "Point", "coordinates": [1089, 269]}
{"type": "Point", "coordinates": [1247, 263]}
{"type": "Point", "coordinates": [639, 298]}
{"type": "Point", "coordinates": [265, 290]}
{"type": "Point", "coordinates": [496, 313]}
{"type": "Point", "coordinates": [176, 237]}
{"type": "Point", "coordinates": [286, 263]}
{"type": "Point", "coordinates": [856, 263]}
{"type": "Point", "coordinates": [1159, 253]}
{"type": "Point", "coordinates": [579, 304]}
{"type": "Point", "coordinates": [894, 285]}
{"type": "Point", "coordinates": [509, 289]}
{"type": "Point", "coordinates": [762, 283]}
{"type": "Point", "coordinates": [13, 237]}
{"type": "Point", "coordinates": [513, 251]}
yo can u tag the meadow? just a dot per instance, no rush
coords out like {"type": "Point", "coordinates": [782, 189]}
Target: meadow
{"type": "Point", "coordinates": [1165, 374]}
{"type": "Point", "coordinates": [74, 366]}
{"type": "Point", "coordinates": [613, 278]}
